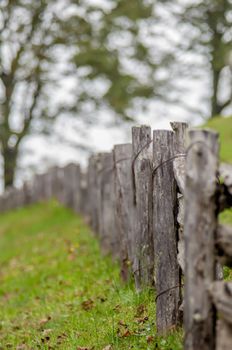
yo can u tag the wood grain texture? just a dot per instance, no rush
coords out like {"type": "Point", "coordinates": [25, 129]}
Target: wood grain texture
{"type": "Point", "coordinates": [143, 262]}
{"type": "Point", "coordinates": [72, 186]}
{"type": "Point", "coordinates": [199, 233]}
{"type": "Point", "coordinates": [165, 230]}
{"type": "Point", "coordinates": [124, 206]}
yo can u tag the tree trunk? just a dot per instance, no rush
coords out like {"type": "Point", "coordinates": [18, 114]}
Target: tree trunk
{"type": "Point", "coordinates": [10, 159]}
{"type": "Point", "coordinates": [215, 106]}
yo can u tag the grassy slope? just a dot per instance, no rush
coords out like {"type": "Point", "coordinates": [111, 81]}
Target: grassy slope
{"type": "Point", "coordinates": [224, 127]}
{"type": "Point", "coordinates": [58, 292]}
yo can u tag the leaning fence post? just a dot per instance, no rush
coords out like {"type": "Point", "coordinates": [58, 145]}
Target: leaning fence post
{"type": "Point", "coordinates": [124, 205]}
{"type": "Point", "coordinates": [143, 265]}
{"type": "Point", "coordinates": [199, 233]}
{"type": "Point", "coordinates": [167, 272]}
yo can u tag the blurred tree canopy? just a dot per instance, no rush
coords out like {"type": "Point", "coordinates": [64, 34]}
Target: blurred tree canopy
{"type": "Point", "coordinates": [33, 38]}
{"type": "Point", "coordinates": [206, 28]}
{"type": "Point", "coordinates": [27, 33]}
{"type": "Point", "coordinates": [121, 54]}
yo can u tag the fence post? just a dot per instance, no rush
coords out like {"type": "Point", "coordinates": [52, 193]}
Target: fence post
{"type": "Point", "coordinates": [93, 191]}
{"type": "Point", "coordinates": [143, 265]}
{"type": "Point", "coordinates": [72, 184]}
{"type": "Point", "coordinates": [124, 205]}
{"type": "Point", "coordinates": [107, 211]}
{"type": "Point", "coordinates": [83, 203]}
{"type": "Point", "coordinates": [167, 272]}
{"type": "Point", "coordinates": [180, 146]}
{"type": "Point", "coordinates": [199, 233]}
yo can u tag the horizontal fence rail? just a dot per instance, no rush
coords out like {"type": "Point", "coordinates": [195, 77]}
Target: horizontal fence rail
{"type": "Point", "coordinates": [154, 205]}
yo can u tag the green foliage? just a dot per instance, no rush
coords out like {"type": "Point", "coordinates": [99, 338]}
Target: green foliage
{"type": "Point", "coordinates": [99, 48]}
{"type": "Point", "coordinates": [224, 127]}
{"type": "Point", "coordinates": [58, 292]}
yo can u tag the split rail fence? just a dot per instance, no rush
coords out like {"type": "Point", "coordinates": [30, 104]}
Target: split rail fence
{"type": "Point", "coordinates": [154, 205]}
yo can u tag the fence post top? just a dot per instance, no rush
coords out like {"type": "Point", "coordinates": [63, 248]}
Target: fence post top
{"type": "Point", "coordinates": [177, 125]}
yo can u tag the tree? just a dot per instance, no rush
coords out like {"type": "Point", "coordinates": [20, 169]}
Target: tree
{"type": "Point", "coordinates": [34, 37]}
{"type": "Point", "coordinates": [205, 27]}
{"type": "Point", "coordinates": [109, 49]}
{"type": "Point", "coordinates": [26, 36]}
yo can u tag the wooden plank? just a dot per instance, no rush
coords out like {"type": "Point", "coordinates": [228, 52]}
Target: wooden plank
{"type": "Point", "coordinates": [181, 136]}
{"type": "Point", "coordinates": [124, 206]}
{"type": "Point", "coordinates": [143, 264]}
{"type": "Point", "coordinates": [93, 192]}
{"type": "Point", "coordinates": [107, 214]}
{"type": "Point", "coordinates": [57, 183]}
{"type": "Point", "coordinates": [83, 205]}
{"type": "Point", "coordinates": [224, 244]}
{"type": "Point", "coordinates": [72, 186]}
{"type": "Point", "coordinates": [180, 145]}
{"type": "Point", "coordinates": [223, 335]}
{"type": "Point", "coordinates": [179, 173]}
{"type": "Point", "coordinates": [199, 233]}
{"type": "Point", "coordinates": [221, 292]}
{"type": "Point", "coordinates": [165, 232]}
{"type": "Point", "coordinates": [91, 179]}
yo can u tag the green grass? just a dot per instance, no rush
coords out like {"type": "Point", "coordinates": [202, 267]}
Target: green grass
{"type": "Point", "coordinates": [57, 291]}
{"type": "Point", "coordinates": [224, 127]}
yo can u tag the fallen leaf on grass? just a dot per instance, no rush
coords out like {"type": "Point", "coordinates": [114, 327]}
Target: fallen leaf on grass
{"type": "Point", "coordinates": [127, 333]}
{"type": "Point", "coordinates": [84, 348]}
{"type": "Point", "coordinates": [142, 320]}
{"type": "Point", "coordinates": [117, 307]}
{"type": "Point", "coordinates": [122, 323]}
{"type": "Point", "coordinates": [46, 332]}
{"type": "Point", "coordinates": [141, 309]}
{"type": "Point", "coordinates": [108, 347]}
{"type": "Point", "coordinates": [44, 320]}
{"type": "Point", "coordinates": [87, 304]}
{"type": "Point", "coordinates": [60, 338]}
{"type": "Point", "coordinates": [21, 347]}
{"type": "Point", "coordinates": [150, 339]}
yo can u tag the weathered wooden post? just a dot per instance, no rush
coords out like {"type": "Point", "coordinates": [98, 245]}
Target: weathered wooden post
{"type": "Point", "coordinates": [180, 146]}
{"type": "Point", "coordinates": [124, 205]}
{"type": "Point", "coordinates": [199, 233]}
{"type": "Point", "coordinates": [93, 191]}
{"type": "Point", "coordinates": [165, 231]}
{"type": "Point", "coordinates": [57, 183]}
{"type": "Point", "coordinates": [72, 186]}
{"type": "Point", "coordinates": [83, 203]}
{"type": "Point", "coordinates": [143, 264]}
{"type": "Point", "coordinates": [107, 214]}
{"type": "Point", "coordinates": [27, 190]}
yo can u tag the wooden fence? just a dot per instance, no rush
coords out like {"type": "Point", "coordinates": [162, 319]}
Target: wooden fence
{"type": "Point", "coordinates": [154, 206]}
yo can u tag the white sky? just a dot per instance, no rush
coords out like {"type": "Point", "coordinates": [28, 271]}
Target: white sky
{"type": "Point", "coordinates": [40, 152]}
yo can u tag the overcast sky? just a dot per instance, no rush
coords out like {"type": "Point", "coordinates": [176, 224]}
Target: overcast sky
{"type": "Point", "coordinates": [40, 152]}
